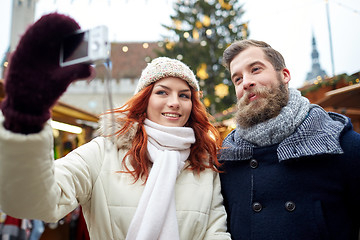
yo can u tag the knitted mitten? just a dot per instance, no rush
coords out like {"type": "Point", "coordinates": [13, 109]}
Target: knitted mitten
{"type": "Point", "coordinates": [34, 79]}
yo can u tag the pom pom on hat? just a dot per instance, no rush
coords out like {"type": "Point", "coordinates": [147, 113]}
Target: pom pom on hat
{"type": "Point", "coordinates": [163, 67]}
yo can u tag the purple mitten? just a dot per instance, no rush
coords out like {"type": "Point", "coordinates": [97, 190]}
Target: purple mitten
{"type": "Point", "coordinates": [34, 80]}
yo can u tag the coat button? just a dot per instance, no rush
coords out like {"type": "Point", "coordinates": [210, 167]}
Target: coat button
{"type": "Point", "coordinates": [257, 207]}
{"type": "Point", "coordinates": [254, 163]}
{"type": "Point", "coordinates": [290, 206]}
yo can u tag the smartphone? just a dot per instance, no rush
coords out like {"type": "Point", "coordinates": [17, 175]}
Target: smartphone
{"type": "Point", "coordinates": [89, 46]}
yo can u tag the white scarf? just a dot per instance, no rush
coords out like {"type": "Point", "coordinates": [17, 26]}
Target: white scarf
{"type": "Point", "coordinates": [155, 216]}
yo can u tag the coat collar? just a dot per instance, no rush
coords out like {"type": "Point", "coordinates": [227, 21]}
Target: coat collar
{"type": "Point", "coordinates": [111, 123]}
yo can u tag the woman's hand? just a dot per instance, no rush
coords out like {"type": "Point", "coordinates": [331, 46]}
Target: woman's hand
{"type": "Point", "coordinates": [34, 79]}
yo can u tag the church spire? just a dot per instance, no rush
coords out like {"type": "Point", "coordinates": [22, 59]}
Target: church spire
{"type": "Point", "coordinates": [316, 70]}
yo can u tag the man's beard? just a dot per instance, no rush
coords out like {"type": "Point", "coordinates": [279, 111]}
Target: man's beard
{"type": "Point", "coordinates": [267, 105]}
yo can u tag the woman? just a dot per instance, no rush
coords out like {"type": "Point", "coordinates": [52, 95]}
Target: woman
{"type": "Point", "coordinates": [153, 173]}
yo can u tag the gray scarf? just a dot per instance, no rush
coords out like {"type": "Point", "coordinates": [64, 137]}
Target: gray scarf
{"type": "Point", "coordinates": [276, 129]}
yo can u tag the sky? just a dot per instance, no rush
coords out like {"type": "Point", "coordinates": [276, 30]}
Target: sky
{"type": "Point", "coordinates": [287, 25]}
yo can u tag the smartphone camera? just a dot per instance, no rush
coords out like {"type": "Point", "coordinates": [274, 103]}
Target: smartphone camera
{"type": "Point", "coordinates": [90, 46]}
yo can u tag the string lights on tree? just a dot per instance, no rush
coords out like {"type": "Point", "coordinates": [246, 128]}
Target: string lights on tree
{"type": "Point", "coordinates": [199, 33]}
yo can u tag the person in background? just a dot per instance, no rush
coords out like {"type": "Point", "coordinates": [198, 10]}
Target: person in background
{"type": "Point", "coordinates": [291, 169]}
{"type": "Point", "coordinates": [153, 174]}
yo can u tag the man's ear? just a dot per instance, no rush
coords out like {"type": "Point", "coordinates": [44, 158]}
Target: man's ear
{"type": "Point", "coordinates": [285, 75]}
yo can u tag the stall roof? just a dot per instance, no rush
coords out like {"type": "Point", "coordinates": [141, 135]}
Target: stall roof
{"type": "Point", "coordinates": [345, 97]}
{"type": "Point", "coordinates": [66, 113]}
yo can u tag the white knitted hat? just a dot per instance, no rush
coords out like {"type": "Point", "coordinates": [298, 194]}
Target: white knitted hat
{"type": "Point", "coordinates": [162, 67]}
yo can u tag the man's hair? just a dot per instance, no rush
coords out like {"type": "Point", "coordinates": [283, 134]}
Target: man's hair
{"type": "Point", "coordinates": [274, 57]}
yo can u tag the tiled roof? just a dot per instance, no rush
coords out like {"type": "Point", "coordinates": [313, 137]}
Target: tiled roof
{"type": "Point", "coordinates": [130, 64]}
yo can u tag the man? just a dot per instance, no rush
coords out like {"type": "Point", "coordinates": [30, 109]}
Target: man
{"type": "Point", "coordinates": [291, 170]}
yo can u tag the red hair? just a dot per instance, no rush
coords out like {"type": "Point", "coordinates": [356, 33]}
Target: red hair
{"type": "Point", "coordinates": [203, 153]}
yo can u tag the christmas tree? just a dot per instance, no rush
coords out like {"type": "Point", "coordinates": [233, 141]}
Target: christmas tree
{"type": "Point", "coordinates": [200, 32]}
